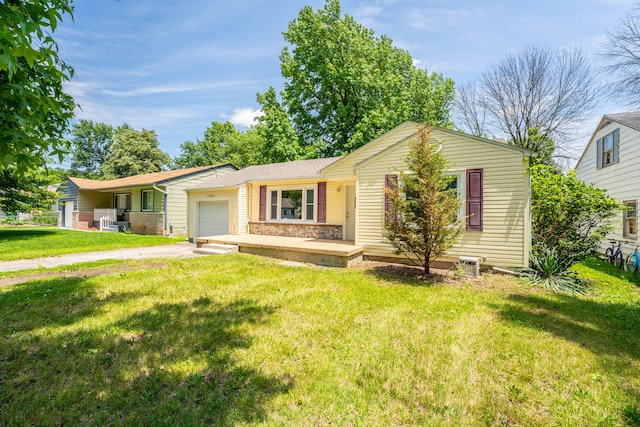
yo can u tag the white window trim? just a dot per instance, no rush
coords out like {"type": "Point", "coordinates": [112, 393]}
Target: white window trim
{"type": "Point", "coordinates": [142, 208]}
{"type": "Point", "coordinates": [625, 232]}
{"type": "Point", "coordinates": [304, 189]}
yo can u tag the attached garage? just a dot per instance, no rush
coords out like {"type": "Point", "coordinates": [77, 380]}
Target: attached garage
{"type": "Point", "coordinates": [213, 218]}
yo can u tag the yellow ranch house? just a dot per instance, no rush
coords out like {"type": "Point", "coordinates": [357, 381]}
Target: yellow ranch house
{"type": "Point", "coordinates": [342, 199]}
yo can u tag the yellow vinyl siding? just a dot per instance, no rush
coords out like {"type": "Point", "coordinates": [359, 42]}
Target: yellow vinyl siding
{"type": "Point", "coordinates": [213, 195]}
{"type": "Point", "coordinates": [177, 196]}
{"type": "Point", "coordinates": [345, 167]}
{"type": "Point", "coordinates": [505, 235]}
{"type": "Point", "coordinates": [335, 198]}
{"type": "Point", "coordinates": [621, 180]}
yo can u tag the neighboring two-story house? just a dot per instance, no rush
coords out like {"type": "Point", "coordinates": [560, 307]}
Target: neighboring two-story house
{"type": "Point", "coordinates": [611, 160]}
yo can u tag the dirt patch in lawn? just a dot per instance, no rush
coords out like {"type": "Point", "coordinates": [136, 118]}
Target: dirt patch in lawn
{"type": "Point", "coordinates": [89, 272]}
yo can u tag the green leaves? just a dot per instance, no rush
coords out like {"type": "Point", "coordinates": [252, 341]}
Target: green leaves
{"type": "Point", "coordinates": [345, 86]}
{"type": "Point", "coordinates": [35, 110]}
{"type": "Point", "coordinates": [567, 214]}
{"type": "Point", "coordinates": [134, 152]}
{"type": "Point", "coordinates": [424, 221]}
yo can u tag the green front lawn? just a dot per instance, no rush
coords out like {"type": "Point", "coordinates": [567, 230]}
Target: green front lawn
{"type": "Point", "coordinates": [242, 340]}
{"type": "Point", "coordinates": [36, 242]}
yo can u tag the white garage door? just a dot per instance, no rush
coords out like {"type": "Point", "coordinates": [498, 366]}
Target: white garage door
{"type": "Point", "coordinates": [213, 218]}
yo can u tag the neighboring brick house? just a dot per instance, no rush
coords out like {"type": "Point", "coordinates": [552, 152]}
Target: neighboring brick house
{"type": "Point", "coordinates": [153, 203]}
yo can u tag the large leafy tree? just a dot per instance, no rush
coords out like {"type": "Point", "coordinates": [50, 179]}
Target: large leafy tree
{"type": "Point", "coordinates": [26, 192]}
{"type": "Point", "coordinates": [568, 216]}
{"type": "Point", "coordinates": [134, 152]}
{"type": "Point", "coordinates": [423, 220]}
{"type": "Point", "coordinates": [345, 86]}
{"type": "Point", "coordinates": [276, 127]}
{"type": "Point", "coordinates": [90, 145]}
{"type": "Point", "coordinates": [34, 108]}
{"type": "Point", "coordinates": [222, 143]}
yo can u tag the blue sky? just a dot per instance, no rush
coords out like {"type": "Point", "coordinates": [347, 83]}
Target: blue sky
{"type": "Point", "coordinates": [177, 66]}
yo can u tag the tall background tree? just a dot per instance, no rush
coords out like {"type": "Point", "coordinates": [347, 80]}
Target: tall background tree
{"type": "Point", "coordinates": [344, 86]}
{"type": "Point", "coordinates": [35, 110]}
{"type": "Point", "coordinates": [422, 221]}
{"type": "Point", "coordinates": [622, 51]}
{"type": "Point", "coordinates": [551, 91]}
{"type": "Point", "coordinates": [223, 143]}
{"type": "Point", "coordinates": [134, 152]}
{"type": "Point", "coordinates": [90, 145]}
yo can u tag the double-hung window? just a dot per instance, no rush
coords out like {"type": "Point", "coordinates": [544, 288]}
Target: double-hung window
{"type": "Point", "coordinates": [630, 220]}
{"type": "Point", "coordinates": [292, 204]}
{"type": "Point", "coordinates": [608, 149]}
{"type": "Point", "coordinates": [147, 201]}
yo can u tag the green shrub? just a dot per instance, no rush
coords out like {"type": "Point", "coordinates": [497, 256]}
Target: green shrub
{"type": "Point", "coordinates": [549, 270]}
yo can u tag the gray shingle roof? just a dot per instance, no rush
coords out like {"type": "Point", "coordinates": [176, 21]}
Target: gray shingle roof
{"type": "Point", "coordinates": [274, 171]}
{"type": "Point", "coordinates": [629, 119]}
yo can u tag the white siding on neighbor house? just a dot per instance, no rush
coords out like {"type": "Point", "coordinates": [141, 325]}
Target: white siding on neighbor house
{"type": "Point", "coordinates": [622, 179]}
{"type": "Point", "coordinates": [506, 231]}
{"type": "Point", "coordinates": [177, 196]}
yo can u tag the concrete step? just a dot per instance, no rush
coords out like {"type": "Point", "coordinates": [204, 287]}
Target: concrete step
{"type": "Point", "coordinates": [110, 229]}
{"type": "Point", "coordinates": [216, 249]}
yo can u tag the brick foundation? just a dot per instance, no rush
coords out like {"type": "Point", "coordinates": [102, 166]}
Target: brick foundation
{"type": "Point", "coordinates": [82, 220]}
{"type": "Point", "coordinates": [147, 223]}
{"type": "Point", "coordinates": [314, 231]}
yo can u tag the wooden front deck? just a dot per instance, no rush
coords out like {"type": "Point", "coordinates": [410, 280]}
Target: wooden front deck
{"type": "Point", "coordinates": [335, 253]}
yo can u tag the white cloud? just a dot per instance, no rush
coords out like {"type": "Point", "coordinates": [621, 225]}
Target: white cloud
{"type": "Point", "coordinates": [244, 116]}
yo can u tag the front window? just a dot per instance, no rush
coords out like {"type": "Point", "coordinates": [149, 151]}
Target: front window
{"type": "Point", "coordinates": [147, 200]}
{"type": "Point", "coordinates": [629, 219]}
{"type": "Point", "coordinates": [296, 204]}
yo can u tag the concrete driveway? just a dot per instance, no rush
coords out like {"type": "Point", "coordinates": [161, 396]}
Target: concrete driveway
{"type": "Point", "coordinates": [178, 250]}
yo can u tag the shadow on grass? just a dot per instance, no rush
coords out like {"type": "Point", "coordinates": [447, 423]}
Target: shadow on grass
{"type": "Point", "coordinates": [24, 233]}
{"type": "Point", "coordinates": [609, 330]}
{"type": "Point", "coordinates": [600, 266]}
{"type": "Point", "coordinates": [170, 364]}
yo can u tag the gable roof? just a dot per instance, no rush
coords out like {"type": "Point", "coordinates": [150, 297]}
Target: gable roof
{"type": "Point", "coordinates": [631, 119]}
{"type": "Point", "coordinates": [144, 179]}
{"type": "Point", "coordinates": [403, 132]}
{"type": "Point", "coordinates": [297, 169]}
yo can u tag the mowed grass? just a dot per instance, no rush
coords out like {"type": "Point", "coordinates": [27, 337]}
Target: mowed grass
{"type": "Point", "coordinates": [36, 242]}
{"type": "Point", "coordinates": [241, 340]}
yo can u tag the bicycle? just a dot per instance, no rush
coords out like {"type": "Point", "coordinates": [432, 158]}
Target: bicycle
{"type": "Point", "coordinates": [613, 255]}
{"type": "Point", "coordinates": [632, 263]}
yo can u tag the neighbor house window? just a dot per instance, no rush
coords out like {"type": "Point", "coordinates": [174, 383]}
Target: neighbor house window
{"type": "Point", "coordinates": [296, 204]}
{"type": "Point", "coordinates": [630, 219]}
{"type": "Point", "coordinates": [147, 200]}
{"type": "Point", "coordinates": [608, 149]}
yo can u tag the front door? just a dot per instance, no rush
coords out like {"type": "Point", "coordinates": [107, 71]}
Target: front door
{"type": "Point", "coordinates": [350, 213]}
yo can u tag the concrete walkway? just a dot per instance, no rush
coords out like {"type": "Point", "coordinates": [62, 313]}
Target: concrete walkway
{"type": "Point", "coordinates": [179, 250]}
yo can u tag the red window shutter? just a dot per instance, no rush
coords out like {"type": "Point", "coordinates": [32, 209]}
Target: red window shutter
{"type": "Point", "coordinates": [390, 183]}
{"type": "Point", "coordinates": [474, 199]}
{"type": "Point", "coordinates": [321, 217]}
{"type": "Point", "coordinates": [263, 203]}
